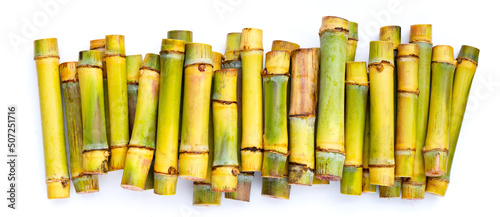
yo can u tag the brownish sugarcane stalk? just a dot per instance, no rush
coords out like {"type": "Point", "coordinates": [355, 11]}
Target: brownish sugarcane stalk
{"type": "Point", "coordinates": [133, 63]}
{"type": "Point", "coordinates": [142, 143]}
{"type": "Point", "coordinates": [467, 64]}
{"type": "Point", "coordinates": [51, 111]}
{"type": "Point", "coordinates": [116, 71]}
{"type": "Point", "coordinates": [169, 107]}
{"type": "Point", "coordinates": [83, 183]}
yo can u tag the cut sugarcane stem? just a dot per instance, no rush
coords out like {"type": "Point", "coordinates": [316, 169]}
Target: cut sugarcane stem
{"type": "Point", "coordinates": [414, 187]}
{"type": "Point", "coordinates": [467, 63]}
{"type": "Point", "coordinates": [225, 123]}
{"type": "Point", "coordinates": [352, 41]}
{"type": "Point", "coordinates": [251, 52]}
{"type": "Point", "coordinates": [381, 156]}
{"type": "Point", "coordinates": [277, 188]}
{"type": "Point", "coordinates": [284, 45]}
{"type": "Point", "coordinates": [134, 63]}
{"type": "Point", "coordinates": [330, 150]}
{"type": "Point", "coordinates": [95, 145]}
{"type": "Point", "coordinates": [184, 35]}
{"type": "Point", "coordinates": [367, 187]}
{"type": "Point", "coordinates": [116, 70]}
{"type": "Point", "coordinates": [204, 196]}
{"type": "Point", "coordinates": [150, 180]}
{"type": "Point", "coordinates": [302, 115]}
{"type": "Point", "coordinates": [169, 107]}
{"type": "Point", "coordinates": [142, 143]}
{"type": "Point", "coordinates": [83, 183]}
{"type": "Point", "coordinates": [51, 111]}
{"type": "Point", "coordinates": [391, 191]}
{"type": "Point", "coordinates": [275, 79]}
{"type": "Point", "coordinates": [356, 103]}
{"type": "Point", "coordinates": [406, 118]}
{"type": "Point", "coordinates": [194, 147]}
{"type": "Point", "coordinates": [437, 141]}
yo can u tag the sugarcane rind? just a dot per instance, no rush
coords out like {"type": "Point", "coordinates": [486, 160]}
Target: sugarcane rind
{"type": "Point", "coordinates": [204, 196]}
{"type": "Point", "coordinates": [435, 162]}
{"type": "Point", "coordinates": [329, 165]}
{"type": "Point", "coordinates": [352, 181]}
{"type": "Point", "coordinates": [382, 175]}
{"type": "Point", "coordinates": [165, 184]}
{"type": "Point", "coordinates": [413, 191]}
{"type": "Point", "coordinates": [58, 188]}
{"type": "Point", "coordinates": [192, 166]}
{"type": "Point", "coordinates": [85, 184]}
{"type": "Point", "coordinates": [95, 162]}
{"type": "Point", "coordinates": [274, 164]}
{"type": "Point", "coordinates": [224, 178]}
{"type": "Point", "coordinates": [437, 186]}
{"type": "Point", "coordinates": [137, 163]}
{"type": "Point", "coordinates": [277, 188]}
{"type": "Point", "coordinates": [243, 188]}
{"type": "Point", "coordinates": [300, 175]}
{"type": "Point", "coordinates": [390, 191]}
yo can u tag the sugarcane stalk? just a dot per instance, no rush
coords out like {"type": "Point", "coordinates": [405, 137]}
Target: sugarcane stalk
{"type": "Point", "coordinates": [381, 156]}
{"type": "Point", "coordinates": [251, 52]}
{"type": "Point", "coordinates": [284, 45]}
{"type": "Point", "coordinates": [352, 41]}
{"type": "Point", "coordinates": [133, 63]}
{"type": "Point", "coordinates": [142, 143]}
{"type": "Point", "coordinates": [367, 186]}
{"type": "Point", "coordinates": [225, 123]}
{"type": "Point", "coordinates": [194, 148]}
{"type": "Point", "coordinates": [467, 64]}
{"type": "Point", "coordinates": [83, 183]}
{"type": "Point", "coordinates": [391, 191]}
{"type": "Point", "coordinates": [302, 115]}
{"type": "Point", "coordinates": [330, 150]}
{"type": "Point", "coordinates": [51, 112]}
{"type": "Point", "coordinates": [150, 179]}
{"type": "Point", "coordinates": [169, 107]}
{"type": "Point", "coordinates": [407, 100]}
{"type": "Point", "coordinates": [414, 187]}
{"type": "Point", "coordinates": [100, 45]}
{"type": "Point", "coordinates": [95, 145]}
{"type": "Point", "coordinates": [438, 129]}
{"type": "Point", "coordinates": [203, 193]}
{"type": "Point", "coordinates": [356, 103]}
{"type": "Point", "coordinates": [184, 35]}
{"type": "Point", "coordinates": [116, 70]}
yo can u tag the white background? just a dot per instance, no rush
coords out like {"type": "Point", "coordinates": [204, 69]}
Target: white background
{"type": "Point", "coordinates": [474, 185]}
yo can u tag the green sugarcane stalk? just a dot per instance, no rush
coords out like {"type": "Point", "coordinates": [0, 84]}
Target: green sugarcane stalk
{"type": "Point", "coordinates": [169, 107]}
{"type": "Point", "coordinates": [467, 64]}
{"type": "Point", "coordinates": [95, 145]}
{"type": "Point", "coordinates": [83, 183]}
{"type": "Point", "coordinates": [142, 143]}
{"type": "Point", "coordinates": [414, 187]}
{"type": "Point", "coordinates": [437, 140]}
{"type": "Point", "coordinates": [54, 147]}
{"type": "Point", "coordinates": [184, 35]}
{"type": "Point", "coordinates": [367, 186]}
{"type": "Point", "coordinates": [133, 63]}
{"type": "Point", "coordinates": [390, 191]}
{"type": "Point", "coordinates": [356, 102]}
{"type": "Point", "coordinates": [330, 150]}
{"type": "Point", "coordinates": [352, 41]}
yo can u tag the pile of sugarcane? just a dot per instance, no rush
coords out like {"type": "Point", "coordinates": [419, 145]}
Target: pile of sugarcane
{"type": "Point", "coordinates": [310, 116]}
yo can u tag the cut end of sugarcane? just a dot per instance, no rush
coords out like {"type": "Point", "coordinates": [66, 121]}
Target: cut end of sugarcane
{"type": "Point", "coordinates": [86, 184]}
{"type": "Point", "coordinates": [184, 35]}
{"type": "Point", "coordinates": [67, 70]}
{"type": "Point", "coordinates": [382, 176]}
{"type": "Point", "coordinates": [115, 45]}
{"type": "Point", "coordinates": [46, 47]}
{"type": "Point", "coordinates": [217, 59]}
{"type": "Point", "coordinates": [435, 163]}
{"type": "Point", "coordinates": [133, 63]}
{"type": "Point", "coordinates": [381, 51]}
{"type": "Point", "coordinates": [300, 175]}
{"type": "Point", "coordinates": [251, 39]}
{"type": "Point", "coordinates": [117, 158]}
{"type": "Point", "coordinates": [353, 31]}
{"type": "Point", "coordinates": [193, 166]}
{"type": "Point", "coordinates": [391, 191]}
{"type": "Point", "coordinates": [469, 52]}
{"type": "Point", "coordinates": [284, 45]}
{"type": "Point", "coordinates": [224, 178]}
{"type": "Point", "coordinates": [251, 160]}
{"type": "Point", "coordinates": [356, 73]}
{"type": "Point", "coordinates": [277, 188]}
{"type": "Point", "coordinates": [367, 186]}
{"type": "Point", "coordinates": [95, 162]}
{"type": "Point", "coordinates": [243, 187]}
{"type": "Point", "coordinates": [151, 62]}
{"type": "Point", "coordinates": [136, 169]}
{"type": "Point", "coordinates": [172, 45]}
{"type": "Point", "coordinates": [421, 33]}
{"type": "Point", "coordinates": [274, 164]}
{"type": "Point", "coordinates": [413, 191]}
{"type": "Point", "coordinates": [58, 188]}
{"type": "Point", "coordinates": [97, 43]}
{"type": "Point", "coordinates": [391, 34]}
{"type": "Point", "coordinates": [90, 58]}
{"type": "Point", "coordinates": [437, 186]}
{"type": "Point", "coordinates": [332, 23]}
{"type": "Point", "coordinates": [198, 53]}
{"type": "Point", "coordinates": [233, 41]}
{"type": "Point", "coordinates": [329, 165]}
{"type": "Point", "coordinates": [165, 184]}
{"type": "Point", "coordinates": [204, 196]}
{"type": "Point", "coordinates": [404, 163]}
{"type": "Point", "coordinates": [277, 63]}
{"type": "Point", "coordinates": [352, 181]}
{"type": "Point", "coordinates": [443, 54]}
